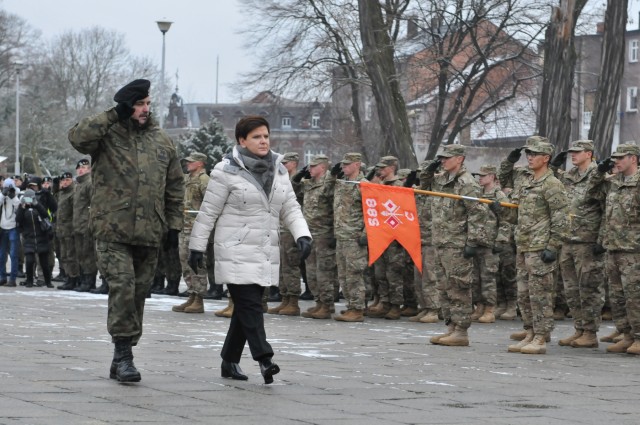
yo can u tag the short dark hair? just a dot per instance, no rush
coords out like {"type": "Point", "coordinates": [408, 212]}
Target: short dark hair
{"type": "Point", "coordinates": [249, 123]}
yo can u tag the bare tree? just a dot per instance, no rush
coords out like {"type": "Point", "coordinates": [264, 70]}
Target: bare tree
{"type": "Point", "coordinates": [611, 70]}
{"type": "Point", "coordinates": [16, 37]}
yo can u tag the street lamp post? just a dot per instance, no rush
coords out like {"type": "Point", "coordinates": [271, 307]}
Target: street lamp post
{"type": "Point", "coordinates": [18, 66]}
{"type": "Point", "coordinates": [163, 26]}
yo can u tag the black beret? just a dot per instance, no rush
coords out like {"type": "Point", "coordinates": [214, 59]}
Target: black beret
{"type": "Point", "coordinates": [47, 179]}
{"type": "Point", "coordinates": [66, 175]}
{"type": "Point", "coordinates": [133, 92]}
{"type": "Point", "coordinates": [82, 162]}
{"type": "Point", "coordinates": [35, 180]}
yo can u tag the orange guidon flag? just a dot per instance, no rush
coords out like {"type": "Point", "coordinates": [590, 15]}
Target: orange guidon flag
{"type": "Point", "coordinates": [390, 214]}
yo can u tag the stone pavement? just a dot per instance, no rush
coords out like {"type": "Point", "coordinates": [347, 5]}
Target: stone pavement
{"type": "Point", "coordinates": [55, 356]}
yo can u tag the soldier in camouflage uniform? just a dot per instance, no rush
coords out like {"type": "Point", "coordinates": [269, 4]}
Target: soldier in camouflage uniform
{"type": "Point", "coordinates": [138, 192]}
{"type": "Point", "coordinates": [542, 223]}
{"type": "Point", "coordinates": [317, 209]}
{"type": "Point", "coordinates": [620, 236]}
{"type": "Point", "coordinates": [581, 258]}
{"type": "Point", "coordinates": [64, 231]}
{"type": "Point", "coordinates": [195, 186]}
{"type": "Point", "coordinates": [393, 270]}
{"type": "Point", "coordinates": [84, 242]}
{"type": "Point", "coordinates": [458, 232]}
{"type": "Point", "coordinates": [351, 249]}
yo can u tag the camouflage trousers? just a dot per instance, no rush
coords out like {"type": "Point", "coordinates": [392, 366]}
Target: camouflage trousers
{"type": "Point", "coordinates": [86, 248]}
{"type": "Point", "coordinates": [352, 264]}
{"type": "Point", "coordinates": [485, 270]}
{"type": "Point", "coordinates": [196, 283]}
{"type": "Point", "coordinates": [535, 281]}
{"type": "Point", "coordinates": [169, 263]}
{"type": "Point", "coordinates": [68, 256]}
{"type": "Point", "coordinates": [623, 269]}
{"type": "Point", "coordinates": [322, 273]}
{"type": "Point", "coordinates": [289, 266]}
{"type": "Point", "coordinates": [129, 269]}
{"type": "Point", "coordinates": [391, 274]}
{"type": "Point", "coordinates": [426, 290]}
{"type": "Point", "coordinates": [583, 276]}
{"type": "Point", "coordinates": [506, 289]}
{"type": "Point", "coordinates": [455, 286]}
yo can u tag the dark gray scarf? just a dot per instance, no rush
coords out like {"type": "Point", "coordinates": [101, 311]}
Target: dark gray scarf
{"type": "Point", "coordinates": [261, 168]}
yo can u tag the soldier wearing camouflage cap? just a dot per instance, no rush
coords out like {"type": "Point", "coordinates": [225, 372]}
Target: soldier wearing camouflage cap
{"type": "Point", "coordinates": [84, 241]}
{"type": "Point", "coordinates": [621, 240]}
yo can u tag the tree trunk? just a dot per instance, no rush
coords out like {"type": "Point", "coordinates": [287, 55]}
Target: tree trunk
{"type": "Point", "coordinates": [554, 119]}
{"type": "Point", "coordinates": [604, 116]}
{"type": "Point", "coordinates": [379, 60]}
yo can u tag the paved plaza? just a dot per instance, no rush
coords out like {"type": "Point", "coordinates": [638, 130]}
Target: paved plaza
{"type": "Point", "coordinates": [56, 354]}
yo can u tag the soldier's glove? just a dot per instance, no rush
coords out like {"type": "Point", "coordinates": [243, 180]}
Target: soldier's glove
{"type": "Point", "coordinates": [172, 240]}
{"type": "Point", "coordinates": [598, 249]}
{"type": "Point", "coordinates": [559, 160]}
{"type": "Point", "coordinates": [297, 177]}
{"type": "Point", "coordinates": [333, 242]}
{"type": "Point", "coordinates": [335, 170]}
{"type": "Point", "coordinates": [124, 110]}
{"type": "Point", "coordinates": [469, 251]}
{"type": "Point", "coordinates": [370, 174]}
{"type": "Point", "coordinates": [411, 178]}
{"type": "Point", "coordinates": [514, 155]}
{"type": "Point", "coordinates": [196, 260]}
{"type": "Point", "coordinates": [495, 207]}
{"type": "Point", "coordinates": [431, 168]}
{"type": "Point", "coordinates": [548, 256]}
{"type": "Point", "coordinates": [304, 246]}
{"type": "Point", "coordinates": [605, 165]}
{"type": "Point", "coordinates": [363, 241]}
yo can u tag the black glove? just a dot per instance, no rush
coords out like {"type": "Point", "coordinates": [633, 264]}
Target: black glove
{"type": "Point", "coordinates": [598, 249]}
{"type": "Point", "coordinates": [605, 165]}
{"type": "Point", "coordinates": [559, 160]}
{"type": "Point", "coordinates": [124, 110]}
{"type": "Point", "coordinates": [514, 155]}
{"type": "Point", "coordinates": [11, 192]}
{"type": "Point", "coordinates": [172, 240]}
{"type": "Point", "coordinates": [370, 174]}
{"type": "Point", "coordinates": [297, 177]}
{"type": "Point", "coordinates": [548, 256]}
{"type": "Point", "coordinates": [196, 260]}
{"type": "Point", "coordinates": [363, 241]}
{"type": "Point", "coordinates": [340, 174]}
{"type": "Point", "coordinates": [495, 207]}
{"type": "Point", "coordinates": [335, 170]}
{"type": "Point", "coordinates": [411, 178]}
{"type": "Point", "coordinates": [333, 242]}
{"type": "Point", "coordinates": [469, 251]}
{"type": "Point", "coordinates": [304, 246]}
{"type": "Point", "coordinates": [433, 166]}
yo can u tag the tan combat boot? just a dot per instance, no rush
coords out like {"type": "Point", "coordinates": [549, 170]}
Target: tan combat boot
{"type": "Point", "coordinates": [458, 338]}
{"type": "Point", "coordinates": [227, 311]}
{"type": "Point", "coordinates": [635, 348]}
{"type": "Point", "coordinates": [197, 306]}
{"type": "Point", "coordinates": [180, 308]}
{"type": "Point", "coordinates": [519, 336]}
{"type": "Point", "coordinates": [568, 340]}
{"type": "Point", "coordinates": [292, 308]}
{"type": "Point", "coordinates": [324, 312]}
{"type": "Point", "coordinates": [283, 304]}
{"type": "Point", "coordinates": [409, 311]}
{"type": "Point", "coordinates": [621, 346]}
{"type": "Point", "coordinates": [418, 316]}
{"type": "Point", "coordinates": [610, 337]}
{"type": "Point", "coordinates": [380, 311]}
{"type": "Point", "coordinates": [488, 316]}
{"type": "Point", "coordinates": [350, 316]}
{"type": "Point", "coordinates": [430, 317]}
{"type": "Point", "coordinates": [436, 339]}
{"type": "Point", "coordinates": [479, 310]}
{"type": "Point", "coordinates": [500, 309]}
{"type": "Point", "coordinates": [311, 310]}
{"type": "Point", "coordinates": [394, 313]}
{"type": "Point", "coordinates": [528, 337]}
{"type": "Point", "coordinates": [537, 346]}
{"type": "Point", "coordinates": [510, 312]}
{"type": "Point", "coordinates": [588, 339]}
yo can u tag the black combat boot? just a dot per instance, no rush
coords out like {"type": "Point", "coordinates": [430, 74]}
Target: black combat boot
{"type": "Point", "coordinates": [274, 295]}
{"type": "Point", "coordinates": [71, 283]}
{"type": "Point", "coordinates": [103, 289]}
{"type": "Point", "coordinates": [158, 284]}
{"type": "Point", "coordinates": [306, 295]}
{"type": "Point", "coordinates": [122, 367]}
{"type": "Point", "coordinates": [62, 276]}
{"type": "Point", "coordinates": [214, 292]}
{"type": "Point", "coordinates": [88, 283]}
{"type": "Point", "coordinates": [172, 287]}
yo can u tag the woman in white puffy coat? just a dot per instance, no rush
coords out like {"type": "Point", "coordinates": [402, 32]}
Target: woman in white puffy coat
{"type": "Point", "coordinates": [249, 191]}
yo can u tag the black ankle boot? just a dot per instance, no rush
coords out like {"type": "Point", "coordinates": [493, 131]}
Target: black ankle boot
{"type": "Point", "coordinates": [268, 369]}
{"type": "Point", "coordinates": [103, 289]}
{"type": "Point", "coordinates": [158, 284]}
{"type": "Point", "coordinates": [232, 370]}
{"type": "Point", "coordinates": [214, 292]}
{"type": "Point", "coordinates": [125, 370]}
{"type": "Point", "coordinates": [72, 282]}
{"type": "Point", "coordinates": [172, 287]}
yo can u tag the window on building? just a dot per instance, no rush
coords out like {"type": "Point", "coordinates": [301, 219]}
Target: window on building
{"type": "Point", "coordinates": [315, 120]}
{"type": "Point", "coordinates": [286, 122]}
{"type": "Point", "coordinates": [632, 99]}
{"type": "Point", "coordinates": [633, 50]}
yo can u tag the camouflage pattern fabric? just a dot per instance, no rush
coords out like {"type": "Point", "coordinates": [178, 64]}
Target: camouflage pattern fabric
{"type": "Point", "coordinates": [65, 233]}
{"type": "Point", "coordinates": [85, 245]}
{"type": "Point", "coordinates": [455, 288]}
{"type": "Point", "coordinates": [68, 256]}
{"type": "Point", "coordinates": [535, 291]}
{"type": "Point", "coordinates": [485, 271]}
{"type": "Point", "coordinates": [352, 264]}
{"type": "Point", "coordinates": [322, 273]}
{"type": "Point", "coordinates": [196, 283]}
{"type": "Point", "coordinates": [623, 269]}
{"type": "Point", "coordinates": [390, 273]}
{"type": "Point", "coordinates": [317, 206]}
{"type": "Point", "coordinates": [289, 265]}
{"type": "Point", "coordinates": [506, 289]}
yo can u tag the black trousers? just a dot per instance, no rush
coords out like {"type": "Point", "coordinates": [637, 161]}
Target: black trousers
{"type": "Point", "coordinates": [247, 325]}
{"type": "Point", "coordinates": [30, 262]}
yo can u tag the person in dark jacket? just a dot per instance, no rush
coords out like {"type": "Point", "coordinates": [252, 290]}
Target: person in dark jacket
{"type": "Point", "coordinates": [35, 238]}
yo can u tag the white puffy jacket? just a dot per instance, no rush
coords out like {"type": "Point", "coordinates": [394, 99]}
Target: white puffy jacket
{"type": "Point", "coordinates": [246, 239]}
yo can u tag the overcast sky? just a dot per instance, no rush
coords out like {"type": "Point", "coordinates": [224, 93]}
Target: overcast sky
{"type": "Point", "coordinates": [202, 30]}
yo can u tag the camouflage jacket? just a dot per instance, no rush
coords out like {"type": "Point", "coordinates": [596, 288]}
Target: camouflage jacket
{"type": "Point", "coordinates": [504, 234]}
{"type": "Point", "coordinates": [458, 222]}
{"type": "Point", "coordinates": [348, 222]}
{"type": "Point", "coordinates": [82, 205]}
{"type": "Point", "coordinates": [543, 209]}
{"type": "Point", "coordinates": [584, 216]}
{"type": "Point", "coordinates": [423, 204]}
{"type": "Point", "coordinates": [138, 186]}
{"type": "Point", "coordinates": [194, 189]}
{"type": "Point", "coordinates": [621, 225]}
{"type": "Point", "coordinates": [297, 189]}
{"type": "Point", "coordinates": [64, 216]}
{"type": "Point", "coordinates": [317, 206]}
